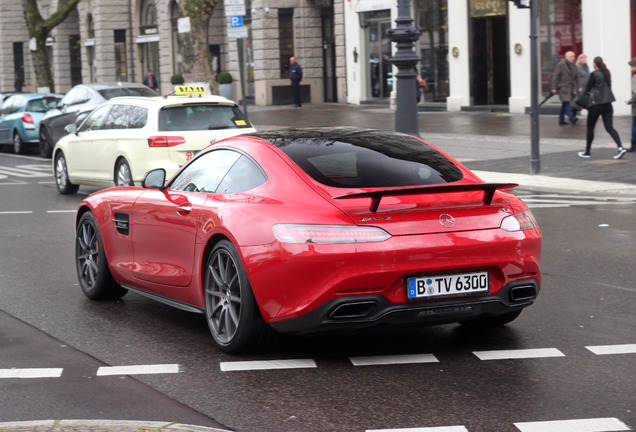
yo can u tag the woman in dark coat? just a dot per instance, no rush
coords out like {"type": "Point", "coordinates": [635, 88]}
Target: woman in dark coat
{"type": "Point", "coordinates": [599, 84]}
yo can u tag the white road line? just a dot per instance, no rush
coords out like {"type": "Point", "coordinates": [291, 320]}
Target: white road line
{"type": "Point", "coordinates": [393, 359]}
{"type": "Point", "coordinates": [582, 425]}
{"type": "Point", "coordinates": [15, 212]}
{"type": "Point", "coordinates": [423, 429]}
{"type": "Point", "coordinates": [62, 211]}
{"type": "Point", "coordinates": [267, 365]}
{"type": "Point", "coordinates": [518, 354]}
{"type": "Point", "coordinates": [31, 373]}
{"type": "Point", "coordinates": [138, 369]}
{"type": "Point", "coordinates": [613, 349]}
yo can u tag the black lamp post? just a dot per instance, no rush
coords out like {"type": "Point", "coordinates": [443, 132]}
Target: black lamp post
{"type": "Point", "coordinates": [404, 35]}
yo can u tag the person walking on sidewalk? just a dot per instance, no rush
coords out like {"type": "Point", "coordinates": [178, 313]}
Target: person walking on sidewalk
{"type": "Point", "coordinates": [566, 84]}
{"type": "Point", "coordinates": [632, 102]}
{"type": "Point", "coordinates": [599, 84]}
{"type": "Point", "coordinates": [295, 76]}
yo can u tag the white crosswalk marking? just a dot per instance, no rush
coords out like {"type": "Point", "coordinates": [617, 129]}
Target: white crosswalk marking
{"type": "Point", "coordinates": [423, 429]}
{"type": "Point", "coordinates": [22, 172]}
{"type": "Point", "coordinates": [518, 354]}
{"type": "Point", "coordinates": [31, 373]}
{"type": "Point", "coordinates": [138, 369]}
{"type": "Point", "coordinates": [613, 349]}
{"type": "Point", "coordinates": [267, 365]}
{"type": "Point", "coordinates": [393, 359]}
{"type": "Point", "coordinates": [581, 425]}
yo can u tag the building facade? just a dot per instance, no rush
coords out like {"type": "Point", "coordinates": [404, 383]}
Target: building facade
{"type": "Point", "coordinates": [474, 54]}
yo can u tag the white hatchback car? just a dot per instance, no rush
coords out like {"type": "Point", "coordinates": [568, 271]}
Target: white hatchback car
{"type": "Point", "coordinates": [126, 137]}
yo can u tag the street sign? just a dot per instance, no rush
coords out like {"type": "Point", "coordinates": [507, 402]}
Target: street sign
{"type": "Point", "coordinates": [236, 29]}
{"type": "Point", "coordinates": [234, 7]}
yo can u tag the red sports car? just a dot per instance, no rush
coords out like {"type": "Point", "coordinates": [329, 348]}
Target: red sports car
{"type": "Point", "coordinates": [311, 230]}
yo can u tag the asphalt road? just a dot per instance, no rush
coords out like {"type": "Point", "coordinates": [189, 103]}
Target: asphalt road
{"type": "Point", "coordinates": [434, 377]}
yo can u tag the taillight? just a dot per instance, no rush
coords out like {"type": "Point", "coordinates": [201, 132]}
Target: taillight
{"type": "Point", "coordinates": [26, 118]}
{"type": "Point", "coordinates": [519, 222]}
{"type": "Point", "coordinates": [165, 141]}
{"type": "Point", "coordinates": [312, 234]}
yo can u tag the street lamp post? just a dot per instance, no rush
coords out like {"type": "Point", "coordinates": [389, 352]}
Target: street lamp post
{"type": "Point", "coordinates": [405, 59]}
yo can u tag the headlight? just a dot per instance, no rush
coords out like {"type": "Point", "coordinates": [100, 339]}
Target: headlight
{"type": "Point", "coordinates": [519, 222]}
{"type": "Point", "coordinates": [313, 234]}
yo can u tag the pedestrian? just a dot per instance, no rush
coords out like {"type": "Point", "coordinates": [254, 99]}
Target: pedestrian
{"type": "Point", "coordinates": [599, 84]}
{"type": "Point", "coordinates": [583, 69]}
{"type": "Point", "coordinates": [632, 102]}
{"type": "Point", "coordinates": [295, 76]}
{"type": "Point", "coordinates": [151, 81]}
{"type": "Point", "coordinates": [584, 72]}
{"type": "Point", "coordinates": [566, 84]}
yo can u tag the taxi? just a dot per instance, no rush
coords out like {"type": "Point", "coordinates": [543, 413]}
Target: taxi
{"type": "Point", "coordinates": [125, 137]}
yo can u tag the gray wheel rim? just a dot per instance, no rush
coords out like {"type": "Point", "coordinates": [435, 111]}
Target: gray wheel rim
{"type": "Point", "coordinates": [124, 178]}
{"type": "Point", "coordinates": [88, 254]}
{"type": "Point", "coordinates": [223, 296]}
{"type": "Point", "coordinates": [61, 176]}
{"type": "Point", "coordinates": [17, 143]}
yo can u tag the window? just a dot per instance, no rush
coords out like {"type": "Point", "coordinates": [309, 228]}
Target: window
{"type": "Point", "coordinates": [41, 105]}
{"type": "Point", "coordinates": [220, 171]}
{"type": "Point", "coordinates": [126, 117]}
{"type": "Point", "coordinates": [285, 39]}
{"type": "Point", "coordinates": [202, 117]}
{"type": "Point", "coordinates": [95, 120]}
{"type": "Point", "coordinates": [383, 159]}
{"type": "Point", "coordinates": [127, 91]}
{"type": "Point", "coordinates": [121, 64]}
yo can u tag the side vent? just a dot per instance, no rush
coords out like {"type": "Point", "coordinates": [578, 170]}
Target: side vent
{"type": "Point", "coordinates": [122, 223]}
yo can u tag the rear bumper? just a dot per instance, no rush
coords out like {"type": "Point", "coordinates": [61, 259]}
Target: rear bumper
{"type": "Point", "coordinates": [359, 312]}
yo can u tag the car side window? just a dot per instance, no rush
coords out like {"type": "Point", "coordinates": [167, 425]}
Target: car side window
{"type": "Point", "coordinates": [96, 120]}
{"type": "Point", "coordinates": [244, 175]}
{"type": "Point", "coordinates": [126, 117]}
{"type": "Point", "coordinates": [206, 172]}
{"type": "Point", "coordinates": [81, 96]}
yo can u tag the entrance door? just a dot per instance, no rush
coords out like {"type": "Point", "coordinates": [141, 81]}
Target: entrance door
{"type": "Point", "coordinates": [490, 73]}
{"type": "Point", "coordinates": [379, 52]}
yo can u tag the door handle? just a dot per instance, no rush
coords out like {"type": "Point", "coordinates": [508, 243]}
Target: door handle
{"type": "Point", "coordinates": [184, 209]}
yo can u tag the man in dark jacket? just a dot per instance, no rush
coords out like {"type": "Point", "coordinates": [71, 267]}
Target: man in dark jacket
{"type": "Point", "coordinates": [295, 76]}
{"type": "Point", "coordinates": [566, 84]}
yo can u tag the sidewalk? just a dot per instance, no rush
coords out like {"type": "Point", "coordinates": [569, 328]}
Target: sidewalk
{"type": "Point", "coordinates": [495, 145]}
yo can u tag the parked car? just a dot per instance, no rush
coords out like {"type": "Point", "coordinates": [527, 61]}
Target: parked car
{"type": "Point", "coordinates": [125, 137]}
{"type": "Point", "coordinates": [77, 104]}
{"type": "Point", "coordinates": [314, 230]}
{"type": "Point", "coordinates": [20, 117]}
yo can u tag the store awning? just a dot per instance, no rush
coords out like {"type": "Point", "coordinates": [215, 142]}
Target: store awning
{"type": "Point", "coordinates": [373, 5]}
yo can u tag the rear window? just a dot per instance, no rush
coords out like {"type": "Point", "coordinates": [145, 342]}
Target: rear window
{"type": "Point", "coordinates": [202, 117]}
{"type": "Point", "coordinates": [42, 105]}
{"type": "Point", "coordinates": [110, 93]}
{"type": "Point", "coordinates": [366, 159]}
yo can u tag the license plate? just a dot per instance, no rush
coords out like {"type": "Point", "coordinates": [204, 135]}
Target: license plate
{"type": "Point", "coordinates": [447, 285]}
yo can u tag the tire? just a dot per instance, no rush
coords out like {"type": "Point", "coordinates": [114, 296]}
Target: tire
{"type": "Point", "coordinates": [123, 176]}
{"type": "Point", "coordinates": [495, 321]}
{"type": "Point", "coordinates": [92, 267]}
{"type": "Point", "coordinates": [18, 144]}
{"type": "Point", "coordinates": [230, 308]}
{"type": "Point", "coordinates": [64, 185]}
{"type": "Point", "coordinates": [45, 145]}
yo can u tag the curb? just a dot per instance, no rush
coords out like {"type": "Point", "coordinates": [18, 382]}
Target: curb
{"type": "Point", "coordinates": [101, 426]}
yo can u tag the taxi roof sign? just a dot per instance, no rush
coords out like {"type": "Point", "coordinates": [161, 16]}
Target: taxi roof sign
{"type": "Point", "coordinates": [183, 90]}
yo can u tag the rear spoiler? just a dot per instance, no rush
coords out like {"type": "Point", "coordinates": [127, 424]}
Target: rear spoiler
{"type": "Point", "coordinates": [489, 190]}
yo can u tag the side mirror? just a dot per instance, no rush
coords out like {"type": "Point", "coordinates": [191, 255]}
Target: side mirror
{"type": "Point", "coordinates": [154, 179]}
{"type": "Point", "coordinates": [71, 129]}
